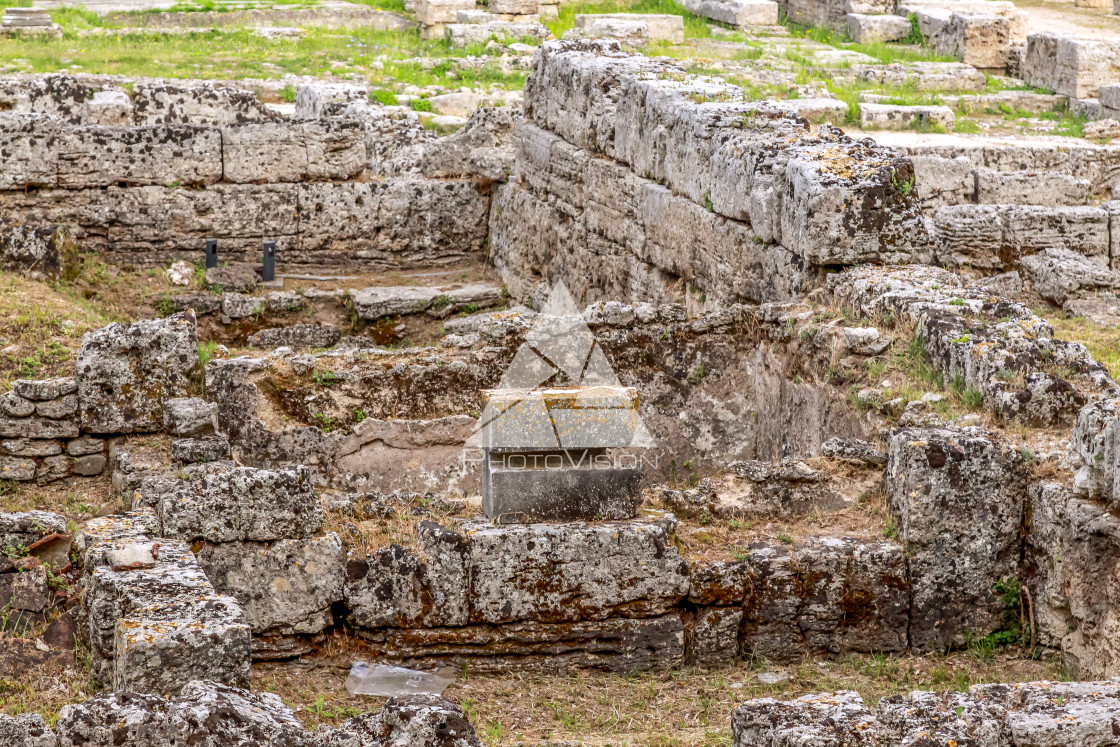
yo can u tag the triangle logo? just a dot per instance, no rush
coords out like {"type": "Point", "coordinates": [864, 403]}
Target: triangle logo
{"type": "Point", "coordinates": [560, 391]}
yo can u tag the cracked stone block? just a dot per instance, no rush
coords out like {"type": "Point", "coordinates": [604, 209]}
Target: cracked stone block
{"type": "Point", "coordinates": [712, 636]}
{"type": "Point", "coordinates": [412, 720]}
{"type": "Point", "coordinates": [190, 417]}
{"type": "Point", "coordinates": [52, 468]}
{"type": "Point", "coordinates": [977, 39]}
{"type": "Point", "coordinates": [16, 406]}
{"type": "Point", "coordinates": [432, 12]}
{"type": "Point", "coordinates": [297, 336]}
{"type": "Point", "coordinates": [95, 156]}
{"type": "Point", "coordinates": [866, 29]}
{"type": "Point", "coordinates": [26, 730]}
{"type": "Point", "coordinates": [218, 503]}
{"type": "Point", "coordinates": [619, 645]}
{"type": "Point", "coordinates": [292, 151]}
{"type": "Point", "coordinates": [44, 389]}
{"type": "Point", "coordinates": [200, 450]}
{"type": "Point", "coordinates": [237, 277]}
{"type": "Point", "coordinates": [1046, 188]}
{"type": "Point", "coordinates": [1058, 274]}
{"type": "Point", "coordinates": [902, 117]}
{"type": "Point", "coordinates": [372, 304]}
{"type": "Point", "coordinates": [35, 427]}
{"type": "Point", "coordinates": [20, 469]}
{"type": "Point", "coordinates": [721, 583]}
{"type": "Point", "coordinates": [240, 306]}
{"type": "Point", "coordinates": [284, 587]}
{"type": "Point", "coordinates": [39, 252]}
{"type": "Point", "coordinates": [161, 647]}
{"type": "Point", "coordinates": [85, 445]}
{"type": "Point", "coordinates": [126, 372]}
{"type": "Point", "coordinates": [25, 591]}
{"type": "Point", "coordinates": [740, 13]}
{"type": "Point", "coordinates": [166, 103]}
{"type": "Point", "coordinates": [58, 409]}
{"type": "Point", "coordinates": [832, 719]}
{"type": "Point", "coordinates": [569, 572]}
{"type": "Point", "coordinates": [27, 447]}
{"type": "Point", "coordinates": [958, 497]}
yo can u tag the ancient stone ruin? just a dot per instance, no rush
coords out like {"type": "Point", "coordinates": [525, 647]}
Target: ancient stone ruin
{"type": "Point", "coordinates": [671, 367]}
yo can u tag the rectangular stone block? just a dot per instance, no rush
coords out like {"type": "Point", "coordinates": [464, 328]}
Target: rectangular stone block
{"type": "Point", "coordinates": [218, 503]}
{"type": "Point", "coordinates": [528, 420]}
{"type": "Point", "coordinates": [995, 237]}
{"type": "Point", "coordinates": [523, 494]}
{"type": "Point", "coordinates": [166, 103]}
{"type": "Point", "coordinates": [902, 117]}
{"type": "Point", "coordinates": [134, 156]}
{"type": "Point", "coordinates": [1047, 188]}
{"type": "Point", "coordinates": [712, 636]}
{"type": "Point", "coordinates": [817, 12]}
{"type": "Point", "coordinates": [432, 12]}
{"type": "Point", "coordinates": [160, 648]}
{"type": "Point", "coordinates": [619, 645]}
{"type": "Point", "coordinates": [958, 497]}
{"type": "Point", "coordinates": [739, 13]}
{"type": "Point", "coordinates": [514, 7]}
{"type": "Point", "coordinates": [284, 587]}
{"type": "Point", "coordinates": [570, 572]}
{"type": "Point", "coordinates": [1068, 66]}
{"type": "Point", "coordinates": [660, 27]}
{"type": "Point", "coordinates": [268, 152]}
{"type": "Point", "coordinates": [866, 29]}
{"type": "Point", "coordinates": [980, 40]}
{"type": "Point", "coordinates": [29, 147]}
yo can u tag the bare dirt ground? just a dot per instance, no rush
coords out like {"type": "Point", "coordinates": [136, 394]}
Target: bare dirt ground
{"type": "Point", "coordinates": [1063, 17]}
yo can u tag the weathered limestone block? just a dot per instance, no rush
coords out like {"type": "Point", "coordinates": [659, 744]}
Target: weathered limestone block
{"type": "Point", "coordinates": [378, 302]}
{"type": "Point", "coordinates": [218, 503]}
{"type": "Point", "coordinates": [29, 144]}
{"type": "Point", "coordinates": [818, 110]}
{"type": "Point", "coordinates": [241, 306]}
{"type": "Point", "coordinates": [297, 336]}
{"type": "Point", "coordinates": [614, 644]}
{"type": "Point", "coordinates": [41, 390]}
{"type": "Point", "coordinates": [200, 450]}
{"type": "Point", "coordinates": [159, 648]}
{"type": "Point", "coordinates": [164, 103]}
{"type": "Point", "coordinates": [483, 147]}
{"type": "Point", "coordinates": [980, 40]}
{"type": "Point", "coordinates": [958, 497]}
{"type": "Point", "coordinates": [190, 417]}
{"type": "Point", "coordinates": [997, 237]}
{"type": "Point", "coordinates": [61, 96]}
{"type": "Point", "coordinates": [740, 13]}
{"type": "Point", "coordinates": [461, 35]}
{"type": "Point", "coordinates": [570, 572]}
{"type": "Point", "coordinates": [712, 636]}
{"type": "Point", "coordinates": [284, 587]}
{"type": "Point", "coordinates": [797, 603]}
{"type": "Point", "coordinates": [421, 720]}
{"type": "Point", "coordinates": [1070, 66]}
{"type": "Point", "coordinates": [26, 730]}
{"type": "Point", "coordinates": [417, 222]}
{"type": "Point", "coordinates": [817, 12]}
{"type": "Point", "coordinates": [1045, 188]}
{"type": "Point", "coordinates": [1057, 274]}
{"type": "Point", "coordinates": [205, 714]}
{"type": "Point", "coordinates": [659, 27]}
{"type": "Point", "coordinates": [866, 29]}
{"type": "Point", "coordinates": [1075, 545]}
{"type": "Point", "coordinates": [722, 583]}
{"type": "Point", "coordinates": [40, 252]}
{"type": "Point", "coordinates": [126, 372]}
{"type": "Point", "coordinates": [293, 151]}
{"type": "Point", "coordinates": [832, 719]}
{"type": "Point", "coordinates": [117, 156]}
{"type": "Point", "coordinates": [901, 117]}
{"type": "Point", "coordinates": [20, 469]}
{"type": "Point", "coordinates": [432, 12]}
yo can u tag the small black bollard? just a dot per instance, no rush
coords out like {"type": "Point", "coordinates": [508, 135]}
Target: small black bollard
{"type": "Point", "coordinates": [269, 272]}
{"type": "Point", "coordinates": [211, 253]}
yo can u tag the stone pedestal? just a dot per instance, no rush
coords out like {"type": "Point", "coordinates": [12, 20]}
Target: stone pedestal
{"type": "Point", "coordinates": [546, 454]}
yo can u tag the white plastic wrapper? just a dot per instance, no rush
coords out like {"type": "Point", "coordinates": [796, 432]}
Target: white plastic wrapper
{"type": "Point", "coordinates": [384, 680]}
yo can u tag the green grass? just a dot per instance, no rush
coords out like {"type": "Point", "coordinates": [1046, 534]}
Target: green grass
{"type": "Point", "coordinates": [881, 51]}
{"type": "Point", "coordinates": [695, 27]}
{"type": "Point", "coordinates": [237, 53]}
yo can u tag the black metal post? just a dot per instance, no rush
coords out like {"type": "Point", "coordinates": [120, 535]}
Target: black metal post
{"type": "Point", "coordinates": [269, 272]}
{"type": "Point", "coordinates": [211, 253]}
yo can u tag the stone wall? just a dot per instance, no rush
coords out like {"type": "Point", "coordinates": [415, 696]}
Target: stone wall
{"type": "Point", "coordinates": [632, 179]}
{"type": "Point", "coordinates": [369, 189]}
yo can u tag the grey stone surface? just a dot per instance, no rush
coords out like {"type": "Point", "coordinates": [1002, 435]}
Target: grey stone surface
{"type": "Point", "coordinates": [219, 503]}
{"type": "Point", "coordinates": [1075, 67]}
{"type": "Point", "coordinates": [25, 527]}
{"type": "Point", "coordinates": [977, 39]}
{"type": "Point", "coordinates": [958, 496]}
{"type": "Point", "coordinates": [511, 494]}
{"type": "Point", "coordinates": [992, 237]}
{"type": "Point", "coordinates": [866, 29]}
{"type": "Point", "coordinates": [713, 636]}
{"type": "Point", "coordinates": [741, 13]}
{"type": "Point", "coordinates": [126, 372]}
{"type": "Point", "coordinates": [191, 417]}
{"type": "Point", "coordinates": [40, 252]}
{"type": "Point", "coordinates": [202, 450]}
{"type": "Point", "coordinates": [1058, 274]}
{"type": "Point", "coordinates": [297, 336]}
{"type": "Point", "coordinates": [238, 278]}
{"type": "Point", "coordinates": [284, 587]}
{"type": "Point", "coordinates": [903, 117]}
{"type": "Point", "coordinates": [325, 148]}
{"type": "Point", "coordinates": [1045, 188]}
{"type": "Point", "coordinates": [26, 730]}
{"type": "Point", "coordinates": [166, 103]}
{"type": "Point", "coordinates": [159, 154]}
{"type": "Point", "coordinates": [375, 303]}
{"type": "Point", "coordinates": [421, 720]}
